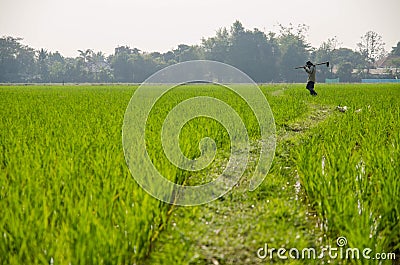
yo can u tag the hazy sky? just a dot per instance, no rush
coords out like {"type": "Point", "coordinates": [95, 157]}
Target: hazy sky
{"type": "Point", "coordinates": [160, 25]}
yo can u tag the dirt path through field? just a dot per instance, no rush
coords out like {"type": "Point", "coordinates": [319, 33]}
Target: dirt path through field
{"type": "Point", "coordinates": [230, 230]}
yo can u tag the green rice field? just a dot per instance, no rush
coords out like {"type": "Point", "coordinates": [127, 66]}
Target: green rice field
{"type": "Point", "coordinates": [68, 197]}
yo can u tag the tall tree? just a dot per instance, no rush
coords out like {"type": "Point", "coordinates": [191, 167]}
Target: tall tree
{"type": "Point", "coordinates": [186, 53]}
{"type": "Point", "coordinates": [344, 72]}
{"type": "Point", "coordinates": [325, 53]}
{"type": "Point", "coordinates": [123, 67]}
{"type": "Point", "coordinates": [83, 64]}
{"type": "Point", "coordinates": [42, 55]}
{"type": "Point", "coordinates": [99, 68]}
{"type": "Point", "coordinates": [143, 66]}
{"type": "Point", "coordinates": [295, 51]}
{"type": "Point", "coordinates": [17, 61]}
{"type": "Point", "coordinates": [251, 52]}
{"type": "Point", "coordinates": [343, 59]}
{"type": "Point", "coordinates": [217, 48]}
{"type": "Point", "coordinates": [371, 47]}
{"type": "Point", "coordinates": [55, 64]}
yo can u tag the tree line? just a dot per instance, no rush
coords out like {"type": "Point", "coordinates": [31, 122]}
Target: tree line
{"type": "Point", "coordinates": [265, 57]}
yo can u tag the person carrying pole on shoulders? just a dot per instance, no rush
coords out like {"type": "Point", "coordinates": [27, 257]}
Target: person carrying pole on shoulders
{"type": "Point", "coordinates": [311, 70]}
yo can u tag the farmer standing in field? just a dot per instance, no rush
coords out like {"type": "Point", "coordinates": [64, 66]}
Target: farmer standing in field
{"type": "Point", "coordinates": [310, 69]}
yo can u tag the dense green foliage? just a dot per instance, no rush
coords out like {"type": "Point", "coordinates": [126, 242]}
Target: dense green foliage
{"type": "Point", "coordinates": [264, 56]}
{"type": "Point", "coordinates": [66, 192]}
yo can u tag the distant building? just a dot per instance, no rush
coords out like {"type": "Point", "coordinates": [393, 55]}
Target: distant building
{"type": "Point", "coordinates": [391, 61]}
{"type": "Point", "coordinates": [387, 66]}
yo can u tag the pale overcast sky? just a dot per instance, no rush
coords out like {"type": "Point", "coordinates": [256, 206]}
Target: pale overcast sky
{"type": "Point", "coordinates": [160, 25]}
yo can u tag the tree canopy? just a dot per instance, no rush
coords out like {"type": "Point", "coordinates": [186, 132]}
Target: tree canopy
{"type": "Point", "coordinates": [264, 56]}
